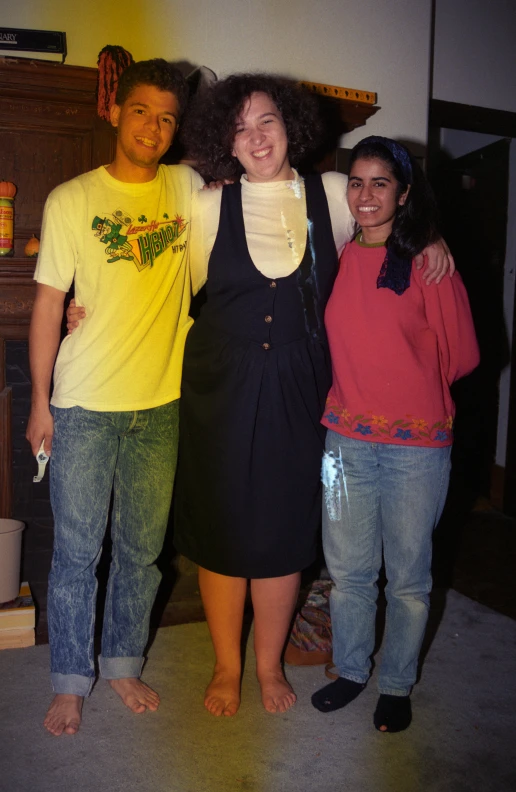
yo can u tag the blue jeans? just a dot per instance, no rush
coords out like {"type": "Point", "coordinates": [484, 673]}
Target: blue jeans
{"type": "Point", "coordinates": [380, 496]}
{"type": "Point", "coordinates": [132, 456]}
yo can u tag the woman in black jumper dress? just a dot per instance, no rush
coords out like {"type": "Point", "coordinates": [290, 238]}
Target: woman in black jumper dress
{"type": "Point", "coordinates": [255, 377]}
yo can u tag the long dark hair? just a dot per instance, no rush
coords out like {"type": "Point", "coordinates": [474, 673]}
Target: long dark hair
{"type": "Point", "coordinates": [210, 122]}
{"type": "Point", "coordinates": [416, 223]}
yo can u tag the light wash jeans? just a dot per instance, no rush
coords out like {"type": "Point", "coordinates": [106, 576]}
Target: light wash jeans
{"type": "Point", "coordinates": [380, 496]}
{"type": "Point", "coordinates": [132, 456]}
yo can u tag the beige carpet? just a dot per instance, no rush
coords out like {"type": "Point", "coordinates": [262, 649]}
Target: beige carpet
{"type": "Point", "coordinates": [462, 738]}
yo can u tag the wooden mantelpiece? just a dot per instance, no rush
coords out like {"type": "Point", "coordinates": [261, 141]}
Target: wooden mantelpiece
{"type": "Point", "coordinates": [49, 133]}
{"type": "Point", "coordinates": [352, 106]}
{"type": "Point", "coordinates": [342, 110]}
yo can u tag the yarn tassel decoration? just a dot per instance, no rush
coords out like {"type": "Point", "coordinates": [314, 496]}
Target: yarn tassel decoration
{"type": "Point", "coordinates": [113, 60]}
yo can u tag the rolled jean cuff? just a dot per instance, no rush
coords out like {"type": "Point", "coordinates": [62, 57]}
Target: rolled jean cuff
{"type": "Point", "coordinates": [120, 667]}
{"type": "Point", "coordinates": [71, 684]}
{"type": "Point", "coordinates": [352, 678]}
{"type": "Point", "coordinates": [393, 692]}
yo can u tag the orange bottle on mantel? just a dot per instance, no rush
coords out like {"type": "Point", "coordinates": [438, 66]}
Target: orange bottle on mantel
{"type": "Point", "coordinates": [7, 193]}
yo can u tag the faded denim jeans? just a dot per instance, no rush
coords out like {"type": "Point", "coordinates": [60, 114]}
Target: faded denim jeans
{"type": "Point", "coordinates": [132, 456]}
{"type": "Point", "coordinates": [388, 497]}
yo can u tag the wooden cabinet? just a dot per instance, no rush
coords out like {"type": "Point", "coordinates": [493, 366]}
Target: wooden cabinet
{"type": "Point", "coordinates": [49, 133]}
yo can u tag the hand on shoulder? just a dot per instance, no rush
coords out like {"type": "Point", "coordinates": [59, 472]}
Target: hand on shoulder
{"type": "Point", "coordinates": [437, 260]}
{"type": "Point", "coordinates": [217, 185]}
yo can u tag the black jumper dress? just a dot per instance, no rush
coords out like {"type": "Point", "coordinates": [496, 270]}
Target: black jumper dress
{"type": "Point", "coordinates": [255, 378]}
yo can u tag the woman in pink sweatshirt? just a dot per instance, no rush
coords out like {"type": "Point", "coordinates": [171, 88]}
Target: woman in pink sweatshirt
{"type": "Point", "coordinates": [396, 347]}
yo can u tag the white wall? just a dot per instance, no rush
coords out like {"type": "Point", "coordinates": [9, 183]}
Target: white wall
{"type": "Point", "coordinates": [367, 44]}
{"type": "Point", "coordinates": [475, 53]}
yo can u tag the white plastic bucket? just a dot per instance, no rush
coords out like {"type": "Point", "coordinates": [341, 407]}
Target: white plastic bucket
{"type": "Point", "coordinates": [10, 558]}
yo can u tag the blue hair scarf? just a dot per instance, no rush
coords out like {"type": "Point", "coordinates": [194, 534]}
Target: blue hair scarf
{"type": "Point", "coordinates": [395, 270]}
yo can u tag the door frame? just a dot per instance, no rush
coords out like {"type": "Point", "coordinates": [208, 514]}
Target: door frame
{"type": "Point", "coordinates": [472, 118]}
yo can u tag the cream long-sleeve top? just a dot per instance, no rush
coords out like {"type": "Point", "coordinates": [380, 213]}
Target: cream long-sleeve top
{"type": "Point", "coordinates": [275, 224]}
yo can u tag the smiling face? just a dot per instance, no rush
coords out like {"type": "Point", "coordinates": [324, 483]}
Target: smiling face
{"type": "Point", "coordinates": [373, 197]}
{"type": "Point", "coordinates": [146, 124]}
{"type": "Point", "coordinates": [260, 142]}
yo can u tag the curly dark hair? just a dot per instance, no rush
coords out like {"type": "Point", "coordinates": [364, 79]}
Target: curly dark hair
{"type": "Point", "coordinates": [209, 128]}
{"type": "Point", "coordinates": [157, 72]}
{"type": "Point", "coordinates": [416, 222]}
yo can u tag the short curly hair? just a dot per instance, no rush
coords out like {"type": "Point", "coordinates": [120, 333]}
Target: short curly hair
{"type": "Point", "coordinates": [156, 72]}
{"type": "Point", "coordinates": [210, 123]}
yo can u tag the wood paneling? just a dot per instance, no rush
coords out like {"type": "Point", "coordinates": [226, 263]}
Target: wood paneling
{"type": "Point", "coordinates": [49, 133]}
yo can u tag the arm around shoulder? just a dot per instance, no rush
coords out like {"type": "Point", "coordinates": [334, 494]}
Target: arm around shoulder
{"type": "Point", "coordinates": [342, 222]}
{"type": "Point", "coordinates": [205, 222]}
{"type": "Point", "coordinates": [437, 260]}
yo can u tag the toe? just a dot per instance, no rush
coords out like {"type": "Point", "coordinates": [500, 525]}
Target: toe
{"type": "Point", "coordinates": [231, 709]}
{"type": "Point", "coordinates": [288, 702]}
{"type": "Point", "coordinates": [214, 706]}
{"type": "Point", "coordinates": [55, 729]}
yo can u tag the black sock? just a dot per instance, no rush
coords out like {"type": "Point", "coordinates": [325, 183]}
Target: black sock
{"type": "Point", "coordinates": [337, 694]}
{"type": "Point", "coordinates": [395, 712]}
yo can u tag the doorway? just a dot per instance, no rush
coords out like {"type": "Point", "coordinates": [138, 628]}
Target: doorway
{"type": "Point", "coordinates": [472, 191]}
{"type": "Point", "coordinates": [472, 166]}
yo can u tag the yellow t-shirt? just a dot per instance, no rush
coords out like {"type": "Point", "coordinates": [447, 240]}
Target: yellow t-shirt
{"type": "Point", "coordinates": [127, 248]}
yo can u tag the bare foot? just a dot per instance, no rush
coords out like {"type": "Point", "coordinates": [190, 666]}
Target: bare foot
{"type": "Point", "coordinates": [135, 694]}
{"type": "Point", "coordinates": [64, 714]}
{"type": "Point", "coordinates": [222, 695]}
{"type": "Point", "coordinates": [277, 694]}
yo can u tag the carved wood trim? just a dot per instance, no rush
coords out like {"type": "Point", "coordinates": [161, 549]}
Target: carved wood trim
{"type": "Point", "coordinates": [345, 108]}
{"type": "Point", "coordinates": [339, 92]}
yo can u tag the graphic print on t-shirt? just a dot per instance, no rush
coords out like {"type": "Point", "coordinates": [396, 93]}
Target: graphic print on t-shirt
{"type": "Point", "coordinates": [138, 241]}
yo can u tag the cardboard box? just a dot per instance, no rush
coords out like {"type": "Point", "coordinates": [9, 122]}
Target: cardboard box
{"type": "Point", "coordinates": [17, 639]}
{"type": "Point", "coordinates": [20, 613]}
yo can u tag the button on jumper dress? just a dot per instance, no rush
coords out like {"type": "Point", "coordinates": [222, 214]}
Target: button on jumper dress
{"type": "Point", "coordinates": [255, 378]}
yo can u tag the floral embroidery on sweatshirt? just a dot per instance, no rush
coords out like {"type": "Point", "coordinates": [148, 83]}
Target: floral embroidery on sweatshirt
{"type": "Point", "coordinates": [410, 428]}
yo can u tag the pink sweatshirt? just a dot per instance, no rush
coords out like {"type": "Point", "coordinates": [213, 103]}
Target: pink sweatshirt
{"type": "Point", "coordinates": [395, 357]}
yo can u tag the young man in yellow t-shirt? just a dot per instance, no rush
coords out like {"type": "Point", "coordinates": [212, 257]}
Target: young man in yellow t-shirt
{"type": "Point", "coordinates": [121, 233]}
